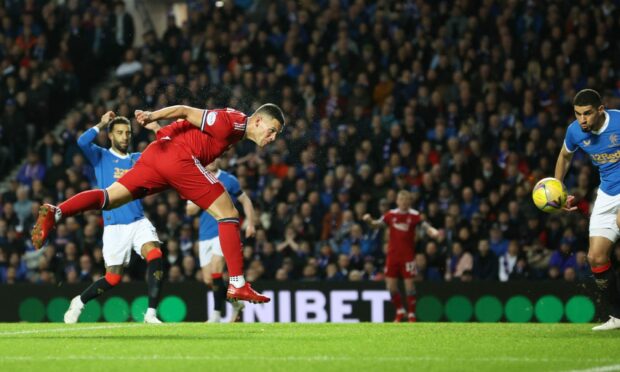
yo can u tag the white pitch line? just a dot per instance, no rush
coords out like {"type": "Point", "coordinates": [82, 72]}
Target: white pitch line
{"type": "Point", "coordinates": [67, 329]}
{"type": "Point", "coordinates": [613, 367]}
{"type": "Point", "coordinates": [316, 358]}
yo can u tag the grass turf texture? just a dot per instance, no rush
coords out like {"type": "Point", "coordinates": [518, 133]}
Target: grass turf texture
{"type": "Point", "coordinates": [307, 347]}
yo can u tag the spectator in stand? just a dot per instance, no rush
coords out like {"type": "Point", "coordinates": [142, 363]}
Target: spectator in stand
{"type": "Point", "coordinates": [485, 262]}
{"type": "Point", "coordinates": [458, 262]}
{"type": "Point", "coordinates": [563, 258]}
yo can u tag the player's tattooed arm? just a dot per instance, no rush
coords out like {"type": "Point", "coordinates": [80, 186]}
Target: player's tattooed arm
{"type": "Point", "coordinates": [191, 114]}
{"type": "Point", "coordinates": [375, 224]}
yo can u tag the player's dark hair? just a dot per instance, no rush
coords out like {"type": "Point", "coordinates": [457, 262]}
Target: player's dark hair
{"type": "Point", "coordinates": [587, 97]}
{"type": "Point", "coordinates": [274, 111]}
{"type": "Point", "coordinates": [118, 120]}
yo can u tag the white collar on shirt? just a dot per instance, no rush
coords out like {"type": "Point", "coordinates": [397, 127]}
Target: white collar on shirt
{"type": "Point", "coordinates": [605, 124]}
{"type": "Point", "coordinates": [119, 155]}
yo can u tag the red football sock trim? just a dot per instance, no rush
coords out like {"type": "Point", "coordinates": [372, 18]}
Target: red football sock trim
{"type": "Point", "coordinates": [113, 279]}
{"type": "Point", "coordinates": [84, 201]}
{"type": "Point", "coordinates": [153, 254]}
{"type": "Point", "coordinates": [216, 275]}
{"type": "Point", "coordinates": [601, 269]}
{"type": "Point", "coordinates": [230, 241]}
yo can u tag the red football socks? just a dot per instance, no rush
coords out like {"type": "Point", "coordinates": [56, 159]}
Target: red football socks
{"type": "Point", "coordinates": [84, 201]}
{"type": "Point", "coordinates": [397, 300]}
{"type": "Point", "coordinates": [411, 301]}
{"type": "Point", "coordinates": [230, 241]}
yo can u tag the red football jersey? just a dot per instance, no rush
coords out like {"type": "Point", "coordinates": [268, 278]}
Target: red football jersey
{"type": "Point", "coordinates": [220, 129]}
{"type": "Point", "coordinates": [402, 232]}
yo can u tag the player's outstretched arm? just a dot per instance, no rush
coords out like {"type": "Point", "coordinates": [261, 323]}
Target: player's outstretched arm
{"type": "Point", "coordinates": [561, 167]}
{"type": "Point", "coordinates": [430, 230]}
{"type": "Point", "coordinates": [375, 224]}
{"type": "Point", "coordinates": [191, 114]}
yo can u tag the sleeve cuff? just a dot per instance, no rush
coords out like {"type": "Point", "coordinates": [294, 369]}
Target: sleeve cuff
{"type": "Point", "coordinates": [204, 119]}
{"type": "Point", "coordinates": [567, 149]}
{"type": "Point", "coordinates": [95, 128]}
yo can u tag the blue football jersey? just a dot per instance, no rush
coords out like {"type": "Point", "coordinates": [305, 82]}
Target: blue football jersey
{"type": "Point", "coordinates": [208, 224]}
{"type": "Point", "coordinates": [603, 148]}
{"type": "Point", "coordinates": [109, 167]}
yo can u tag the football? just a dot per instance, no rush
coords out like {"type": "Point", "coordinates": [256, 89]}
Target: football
{"type": "Point", "coordinates": [549, 195]}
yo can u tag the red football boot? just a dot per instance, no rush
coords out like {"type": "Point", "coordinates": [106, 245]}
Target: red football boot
{"type": "Point", "coordinates": [411, 318]}
{"type": "Point", "coordinates": [245, 293]}
{"type": "Point", "coordinates": [45, 223]}
{"type": "Point", "coordinates": [400, 315]}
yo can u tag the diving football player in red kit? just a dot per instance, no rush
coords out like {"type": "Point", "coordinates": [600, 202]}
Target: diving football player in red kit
{"type": "Point", "coordinates": [176, 160]}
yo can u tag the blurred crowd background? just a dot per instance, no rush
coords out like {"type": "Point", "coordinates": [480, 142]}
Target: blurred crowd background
{"type": "Point", "coordinates": [464, 103]}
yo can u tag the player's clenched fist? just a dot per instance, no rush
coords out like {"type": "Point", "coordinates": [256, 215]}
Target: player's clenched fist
{"type": "Point", "coordinates": [142, 117]}
{"type": "Point", "coordinates": [107, 117]}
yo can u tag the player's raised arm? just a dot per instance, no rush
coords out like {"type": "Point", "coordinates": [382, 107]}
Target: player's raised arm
{"type": "Point", "coordinates": [375, 224]}
{"type": "Point", "coordinates": [85, 141]}
{"type": "Point", "coordinates": [191, 114]}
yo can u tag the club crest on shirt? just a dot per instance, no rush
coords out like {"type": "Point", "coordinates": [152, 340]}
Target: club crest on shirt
{"type": "Point", "coordinates": [586, 142]}
{"type": "Point", "coordinates": [211, 116]}
{"type": "Point", "coordinates": [613, 138]}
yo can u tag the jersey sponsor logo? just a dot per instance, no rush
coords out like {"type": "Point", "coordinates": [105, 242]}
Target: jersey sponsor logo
{"type": "Point", "coordinates": [606, 158]}
{"type": "Point", "coordinates": [401, 226]}
{"type": "Point", "coordinates": [211, 116]}
{"type": "Point", "coordinates": [119, 172]}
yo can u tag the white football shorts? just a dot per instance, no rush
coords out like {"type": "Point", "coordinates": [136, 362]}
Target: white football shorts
{"type": "Point", "coordinates": [118, 240]}
{"type": "Point", "coordinates": [603, 218]}
{"type": "Point", "coordinates": [207, 249]}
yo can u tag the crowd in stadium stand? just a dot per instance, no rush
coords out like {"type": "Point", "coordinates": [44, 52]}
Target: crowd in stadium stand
{"type": "Point", "coordinates": [463, 103]}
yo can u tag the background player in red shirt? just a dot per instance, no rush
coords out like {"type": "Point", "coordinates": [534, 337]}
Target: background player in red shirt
{"type": "Point", "coordinates": [176, 160]}
{"type": "Point", "coordinates": [400, 262]}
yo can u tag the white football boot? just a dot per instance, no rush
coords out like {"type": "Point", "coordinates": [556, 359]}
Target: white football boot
{"type": "Point", "coordinates": [215, 317]}
{"type": "Point", "coordinates": [612, 323]}
{"type": "Point", "coordinates": [75, 309]}
{"type": "Point", "coordinates": [237, 306]}
{"type": "Point", "coordinates": [151, 317]}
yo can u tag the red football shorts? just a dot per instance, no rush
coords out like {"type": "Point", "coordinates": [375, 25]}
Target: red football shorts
{"type": "Point", "coordinates": [165, 165]}
{"type": "Point", "coordinates": [400, 268]}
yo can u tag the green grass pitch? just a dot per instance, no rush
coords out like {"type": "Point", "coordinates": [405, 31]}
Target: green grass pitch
{"type": "Point", "coordinates": [307, 347]}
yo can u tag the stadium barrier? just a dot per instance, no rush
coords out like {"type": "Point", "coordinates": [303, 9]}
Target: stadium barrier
{"type": "Point", "coordinates": [316, 302]}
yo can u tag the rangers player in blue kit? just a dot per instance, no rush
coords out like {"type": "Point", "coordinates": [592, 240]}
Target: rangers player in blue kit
{"type": "Point", "coordinates": [125, 228]}
{"type": "Point", "coordinates": [597, 132]}
{"type": "Point", "coordinates": [210, 251]}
